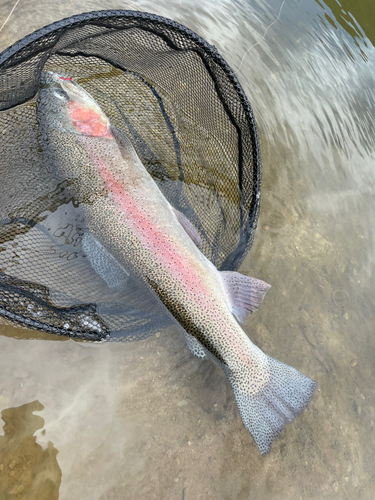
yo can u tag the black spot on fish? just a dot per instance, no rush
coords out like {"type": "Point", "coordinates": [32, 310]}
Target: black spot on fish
{"type": "Point", "coordinates": [180, 313]}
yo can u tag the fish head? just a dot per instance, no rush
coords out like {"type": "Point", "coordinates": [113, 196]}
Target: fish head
{"type": "Point", "coordinates": [70, 108]}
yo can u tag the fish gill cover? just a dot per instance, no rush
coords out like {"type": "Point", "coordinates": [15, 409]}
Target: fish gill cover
{"type": "Point", "coordinates": [190, 122]}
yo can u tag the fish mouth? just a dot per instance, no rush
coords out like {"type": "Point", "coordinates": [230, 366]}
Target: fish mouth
{"type": "Point", "coordinates": [50, 79]}
{"type": "Point", "coordinates": [54, 81]}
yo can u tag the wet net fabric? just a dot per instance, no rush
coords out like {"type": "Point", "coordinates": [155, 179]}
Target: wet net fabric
{"type": "Point", "coordinates": [178, 102]}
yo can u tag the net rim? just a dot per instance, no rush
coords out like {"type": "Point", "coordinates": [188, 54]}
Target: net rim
{"type": "Point", "coordinates": [210, 50]}
{"type": "Point", "coordinates": [77, 19]}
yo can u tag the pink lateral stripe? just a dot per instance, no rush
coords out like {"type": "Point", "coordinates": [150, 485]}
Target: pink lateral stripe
{"type": "Point", "coordinates": [88, 122]}
{"type": "Point", "coordinates": [145, 229]}
{"type": "Point", "coordinates": [154, 240]}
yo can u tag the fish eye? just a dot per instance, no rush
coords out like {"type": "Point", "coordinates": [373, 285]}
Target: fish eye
{"type": "Point", "coordinates": [60, 94]}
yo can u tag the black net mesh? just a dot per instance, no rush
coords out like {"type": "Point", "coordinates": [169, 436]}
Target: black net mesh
{"type": "Point", "coordinates": [177, 100]}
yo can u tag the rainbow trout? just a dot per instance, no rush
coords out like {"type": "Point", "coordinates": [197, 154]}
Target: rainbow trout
{"type": "Point", "coordinates": [129, 219]}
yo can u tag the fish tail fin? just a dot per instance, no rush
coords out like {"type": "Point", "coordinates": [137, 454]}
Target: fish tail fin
{"type": "Point", "coordinates": [265, 412]}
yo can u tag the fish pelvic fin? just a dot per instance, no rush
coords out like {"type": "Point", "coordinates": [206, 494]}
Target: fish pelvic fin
{"type": "Point", "coordinates": [265, 412]}
{"type": "Point", "coordinates": [245, 293]}
{"type": "Point", "coordinates": [104, 263]}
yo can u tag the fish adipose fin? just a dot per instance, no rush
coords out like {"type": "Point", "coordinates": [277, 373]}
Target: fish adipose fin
{"type": "Point", "coordinates": [264, 413]}
{"type": "Point", "coordinates": [188, 226]}
{"type": "Point", "coordinates": [103, 263]}
{"type": "Point", "coordinates": [245, 293]}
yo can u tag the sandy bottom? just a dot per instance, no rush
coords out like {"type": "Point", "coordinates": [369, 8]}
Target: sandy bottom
{"type": "Point", "coordinates": [148, 420]}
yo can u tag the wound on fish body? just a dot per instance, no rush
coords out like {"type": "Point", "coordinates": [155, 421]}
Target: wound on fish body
{"type": "Point", "coordinates": [130, 223]}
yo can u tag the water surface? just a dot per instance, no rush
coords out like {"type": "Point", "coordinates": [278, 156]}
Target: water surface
{"type": "Point", "coordinates": [148, 420]}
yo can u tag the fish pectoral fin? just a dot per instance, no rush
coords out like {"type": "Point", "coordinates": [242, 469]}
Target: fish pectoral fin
{"type": "Point", "coordinates": [195, 347]}
{"type": "Point", "coordinates": [104, 263]}
{"type": "Point", "coordinates": [124, 144]}
{"type": "Point", "coordinates": [245, 293]}
{"type": "Point", "coordinates": [188, 227]}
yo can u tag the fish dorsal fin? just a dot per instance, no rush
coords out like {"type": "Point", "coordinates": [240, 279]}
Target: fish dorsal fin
{"type": "Point", "coordinates": [188, 226]}
{"type": "Point", "coordinates": [245, 293]}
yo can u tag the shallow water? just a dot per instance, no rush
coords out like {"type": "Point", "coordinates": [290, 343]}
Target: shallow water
{"type": "Point", "coordinates": [147, 419]}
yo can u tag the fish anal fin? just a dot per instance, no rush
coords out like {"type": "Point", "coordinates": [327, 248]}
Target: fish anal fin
{"type": "Point", "coordinates": [188, 227]}
{"type": "Point", "coordinates": [245, 293]}
{"type": "Point", "coordinates": [195, 347]}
